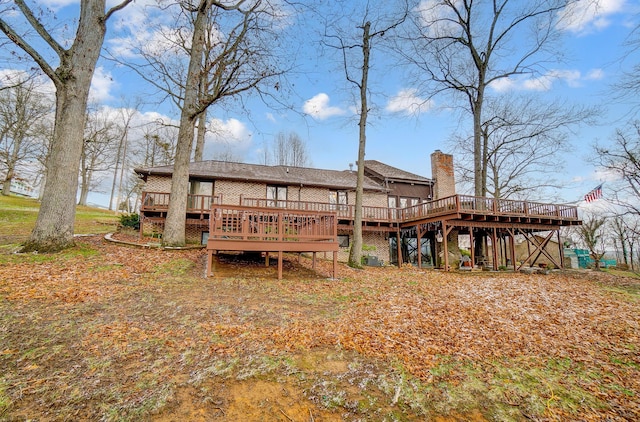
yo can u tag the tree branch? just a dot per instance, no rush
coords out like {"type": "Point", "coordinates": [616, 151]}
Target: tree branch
{"type": "Point", "coordinates": [20, 42]}
{"type": "Point", "coordinates": [41, 30]}
{"type": "Point", "coordinates": [115, 9]}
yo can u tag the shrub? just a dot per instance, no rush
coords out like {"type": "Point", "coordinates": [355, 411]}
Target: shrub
{"type": "Point", "coordinates": [130, 220]}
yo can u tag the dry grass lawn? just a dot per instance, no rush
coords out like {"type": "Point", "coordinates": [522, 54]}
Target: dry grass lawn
{"type": "Point", "coordinates": [114, 333]}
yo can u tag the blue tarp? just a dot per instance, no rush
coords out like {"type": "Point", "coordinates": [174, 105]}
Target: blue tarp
{"type": "Point", "coordinates": [585, 261]}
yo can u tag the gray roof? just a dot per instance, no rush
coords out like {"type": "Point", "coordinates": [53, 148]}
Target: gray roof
{"type": "Point", "coordinates": [388, 172]}
{"type": "Point", "coordinates": [267, 174]}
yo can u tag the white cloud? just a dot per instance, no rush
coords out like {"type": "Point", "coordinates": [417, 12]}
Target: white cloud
{"type": "Point", "coordinates": [587, 16]}
{"type": "Point", "coordinates": [595, 74]}
{"type": "Point", "coordinates": [57, 4]}
{"type": "Point", "coordinates": [101, 86]}
{"type": "Point", "coordinates": [437, 18]}
{"type": "Point", "coordinates": [504, 84]}
{"type": "Point", "coordinates": [230, 139]}
{"type": "Point", "coordinates": [318, 107]}
{"type": "Point", "coordinates": [10, 77]}
{"type": "Point", "coordinates": [407, 102]}
{"type": "Point", "coordinates": [231, 131]}
{"type": "Point", "coordinates": [573, 78]}
{"type": "Point", "coordinates": [271, 117]}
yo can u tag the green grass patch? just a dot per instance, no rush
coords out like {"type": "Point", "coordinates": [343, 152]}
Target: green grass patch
{"type": "Point", "coordinates": [504, 389]}
{"type": "Point", "coordinates": [621, 273]}
{"type": "Point", "coordinates": [175, 267]}
{"type": "Point", "coordinates": [5, 400]}
{"type": "Point", "coordinates": [81, 250]}
{"type": "Point", "coordinates": [18, 217]}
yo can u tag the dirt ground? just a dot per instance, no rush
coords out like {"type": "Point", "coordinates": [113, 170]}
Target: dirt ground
{"type": "Point", "coordinates": [109, 332]}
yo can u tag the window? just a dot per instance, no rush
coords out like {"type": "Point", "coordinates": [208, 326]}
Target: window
{"type": "Point", "coordinates": [276, 196]}
{"type": "Point", "coordinates": [338, 197]}
{"type": "Point", "coordinates": [408, 202]}
{"type": "Point", "coordinates": [343, 240]}
{"type": "Point", "coordinates": [197, 187]}
{"type": "Point", "coordinates": [393, 204]}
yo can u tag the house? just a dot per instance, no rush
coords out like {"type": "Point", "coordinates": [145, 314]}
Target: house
{"type": "Point", "coordinates": [282, 186]}
{"type": "Point", "coordinates": [406, 217]}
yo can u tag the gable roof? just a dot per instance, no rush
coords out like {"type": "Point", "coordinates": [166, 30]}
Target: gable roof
{"type": "Point", "coordinates": [285, 175]}
{"type": "Point", "coordinates": [385, 171]}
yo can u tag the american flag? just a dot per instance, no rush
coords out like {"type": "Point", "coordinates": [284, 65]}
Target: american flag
{"type": "Point", "coordinates": [596, 193]}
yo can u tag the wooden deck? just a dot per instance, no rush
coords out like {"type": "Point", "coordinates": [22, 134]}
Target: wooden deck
{"type": "Point", "coordinates": [241, 228]}
{"type": "Point", "coordinates": [458, 207]}
{"type": "Point", "coordinates": [270, 226]}
{"type": "Point", "coordinates": [490, 212]}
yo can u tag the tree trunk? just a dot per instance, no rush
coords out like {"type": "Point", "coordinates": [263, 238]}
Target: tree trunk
{"type": "Point", "coordinates": [54, 226]}
{"type": "Point", "coordinates": [6, 183]}
{"type": "Point", "coordinates": [355, 255]}
{"type": "Point", "coordinates": [11, 163]}
{"type": "Point", "coordinates": [53, 230]}
{"type": "Point", "coordinates": [199, 149]}
{"type": "Point", "coordinates": [175, 224]}
{"type": "Point", "coordinates": [84, 188]}
{"type": "Point", "coordinates": [198, 153]}
{"type": "Point", "coordinates": [478, 156]}
{"type": "Point", "coordinates": [115, 171]}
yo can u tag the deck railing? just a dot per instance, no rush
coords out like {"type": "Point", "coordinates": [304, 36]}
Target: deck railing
{"type": "Point", "coordinates": [480, 205]}
{"type": "Point", "coordinates": [343, 211]}
{"type": "Point", "coordinates": [158, 201]}
{"type": "Point", "coordinates": [271, 224]}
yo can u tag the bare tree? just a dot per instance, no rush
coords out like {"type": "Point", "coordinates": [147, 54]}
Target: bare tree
{"type": "Point", "coordinates": [592, 235]}
{"type": "Point", "coordinates": [97, 150]}
{"type": "Point", "coordinates": [241, 62]}
{"type": "Point", "coordinates": [287, 150]}
{"type": "Point", "coordinates": [71, 73]}
{"type": "Point", "coordinates": [621, 236]}
{"type": "Point", "coordinates": [523, 139]}
{"type": "Point", "coordinates": [628, 86]}
{"type": "Point", "coordinates": [23, 111]}
{"type": "Point", "coordinates": [157, 147]}
{"type": "Point", "coordinates": [462, 47]}
{"type": "Point", "coordinates": [621, 158]}
{"type": "Point", "coordinates": [126, 114]}
{"type": "Point", "coordinates": [357, 67]}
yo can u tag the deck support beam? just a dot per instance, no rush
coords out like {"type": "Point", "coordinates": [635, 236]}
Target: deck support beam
{"type": "Point", "coordinates": [539, 249]}
{"type": "Point", "coordinates": [445, 245]}
{"type": "Point", "coordinates": [494, 249]}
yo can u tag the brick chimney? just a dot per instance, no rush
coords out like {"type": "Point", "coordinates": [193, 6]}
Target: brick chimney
{"type": "Point", "coordinates": [442, 174]}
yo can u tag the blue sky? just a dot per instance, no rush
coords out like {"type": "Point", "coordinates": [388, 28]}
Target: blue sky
{"type": "Point", "coordinates": [397, 134]}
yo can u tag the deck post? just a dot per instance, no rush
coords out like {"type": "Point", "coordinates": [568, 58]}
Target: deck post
{"type": "Point", "coordinates": [266, 259]}
{"type": "Point", "coordinates": [528, 251]}
{"type": "Point", "coordinates": [445, 246]}
{"type": "Point", "coordinates": [279, 265]}
{"type": "Point", "coordinates": [561, 251]}
{"type": "Point", "coordinates": [494, 248]}
{"type": "Point", "coordinates": [473, 249]}
{"type": "Point", "coordinates": [209, 270]}
{"type": "Point", "coordinates": [399, 248]}
{"type": "Point", "coordinates": [335, 264]}
{"type": "Point", "coordinates": [313, 261]}
{"type": "Point", "coordinates": [512, 244]}
{"type": "Point", "coordinates": [419, 241]}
